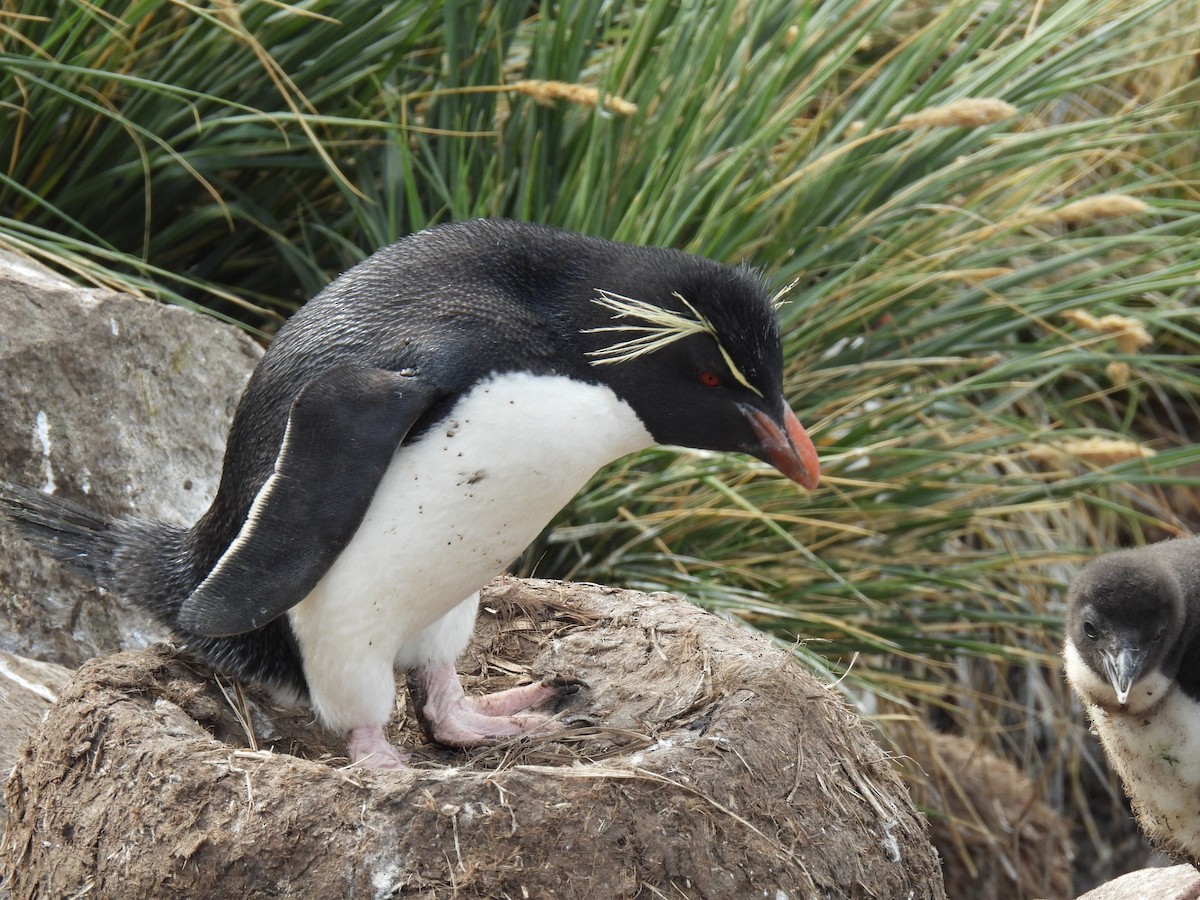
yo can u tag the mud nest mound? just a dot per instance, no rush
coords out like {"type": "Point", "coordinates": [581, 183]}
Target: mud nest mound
{"type": "Point", "coordinates": [713, 766]}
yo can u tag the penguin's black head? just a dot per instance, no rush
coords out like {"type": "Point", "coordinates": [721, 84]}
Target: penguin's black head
{"type": "Point", "coordinates": [1125, 611]}
{"type": "Point", "coordinates": [693, 346]}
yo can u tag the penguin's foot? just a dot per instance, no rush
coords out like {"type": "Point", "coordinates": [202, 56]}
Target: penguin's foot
{"type": "Point", "coordinates": [451, 718]}
{"type": "Point", "coordinates": [371, 750]}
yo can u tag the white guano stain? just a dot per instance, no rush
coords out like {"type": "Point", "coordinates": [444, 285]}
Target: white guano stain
{"type": "Point", "coordinates": [43, 436]}
{"type": "Point", "coordinates": [33, 687]}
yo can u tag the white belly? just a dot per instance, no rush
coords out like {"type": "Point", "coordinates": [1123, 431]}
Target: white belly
{"type": "Point", "coordinates": [1157, 756]}
{"type": "Point", "coordinates": [452, 511]}
{"type": "Point", "coordinates": [1153, 744]}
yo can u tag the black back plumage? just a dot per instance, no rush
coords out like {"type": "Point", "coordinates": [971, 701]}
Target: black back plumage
{"type": "Point", "coordinates": [448, 306]}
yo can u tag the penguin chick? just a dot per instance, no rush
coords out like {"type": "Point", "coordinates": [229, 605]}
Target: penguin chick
{"type": "Point", "coordinates": [408, 433]}
{"type": "Point", "coordinates": [1132, 655]}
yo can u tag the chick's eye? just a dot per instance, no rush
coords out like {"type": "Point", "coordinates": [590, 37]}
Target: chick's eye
{"type": "Point", "coordinates": [710, 379]}
{"type": "Point", "coordinates": [1158, 635]}
{"type": "Point", "coordinates": [1090, 630]}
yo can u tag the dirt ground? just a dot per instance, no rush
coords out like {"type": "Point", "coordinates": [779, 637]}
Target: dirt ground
{"type": "Point", "coordinates": [700, 762]}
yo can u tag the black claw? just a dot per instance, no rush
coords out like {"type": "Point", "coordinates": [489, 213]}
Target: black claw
{"type": "Point", "coordinates": [417, 697]}
{"type": "Point", "coordinates": [564, 689]}
{"type": "Point", "coordinates": [564, 685]}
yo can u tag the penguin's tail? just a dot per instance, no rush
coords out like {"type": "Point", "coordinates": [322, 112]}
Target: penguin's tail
{"type": "Point", "coordinates": [153, 565]}
{"type": "Point", "coordinates": [146, 562]}
{"type": "Point", "coordinates": [62, 530]}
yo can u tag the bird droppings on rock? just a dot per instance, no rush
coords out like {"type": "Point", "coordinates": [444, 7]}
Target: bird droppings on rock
{"type": "Point", "coordinates": [717, 768]}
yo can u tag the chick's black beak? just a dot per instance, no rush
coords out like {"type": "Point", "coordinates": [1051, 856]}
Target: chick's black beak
{"type": "Point", "coordinates": [1123, 668]}
{"type": "Point", "coordinates": [786, 445]}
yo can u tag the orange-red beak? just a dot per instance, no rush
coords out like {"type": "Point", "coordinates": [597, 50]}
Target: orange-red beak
{"type": "Point", "coordinates": [789, 449]}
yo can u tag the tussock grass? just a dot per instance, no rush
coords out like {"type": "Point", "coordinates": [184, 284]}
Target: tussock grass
{"type": "Point", "coordinates": [990, 212]}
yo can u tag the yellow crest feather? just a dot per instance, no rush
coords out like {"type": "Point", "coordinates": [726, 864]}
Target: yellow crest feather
{"type": "Point", "coordinates": [658, 328]}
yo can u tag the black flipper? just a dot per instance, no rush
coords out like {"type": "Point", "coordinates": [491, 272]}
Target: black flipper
{"type": "Point", "coordinates": [342, 431]}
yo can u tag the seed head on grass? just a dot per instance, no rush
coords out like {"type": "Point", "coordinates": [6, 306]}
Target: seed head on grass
{"type": "Point", "coordinates": [1118, 372]}
{"type": "Point", "coordinates": [1090, 210]}
{"type": "Point", "coordinates": [547, 92]}
{"type": "Point", "coordinates": [970, 112]}
{"type": "Point", "coordinates": [1099, 451]}
{"type": "Point", "coordinates": [1129, 333]}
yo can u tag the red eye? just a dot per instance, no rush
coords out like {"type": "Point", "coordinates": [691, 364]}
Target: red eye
{"type": "Point", "coordinates": [710, 379]}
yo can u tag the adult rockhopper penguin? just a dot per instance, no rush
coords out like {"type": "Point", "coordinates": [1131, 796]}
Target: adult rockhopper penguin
{"type": "Point", "coordinates": [408, 433]}
{"type": "Point", "coordinates": [1133, 656]}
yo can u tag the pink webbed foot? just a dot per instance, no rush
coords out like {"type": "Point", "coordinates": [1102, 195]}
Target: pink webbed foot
{"type": "Point", "coordinates": [451, 718]}
{"type": "Point", "coordinates": [371, 750]}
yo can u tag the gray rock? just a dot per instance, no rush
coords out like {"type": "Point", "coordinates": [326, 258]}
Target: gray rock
{"type": "Point", "coordinates": [27, 688]}
{"type": "Point", "coordinates": [1173, 883]}
{"type": "Point", "coordinates": [116, 402]}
